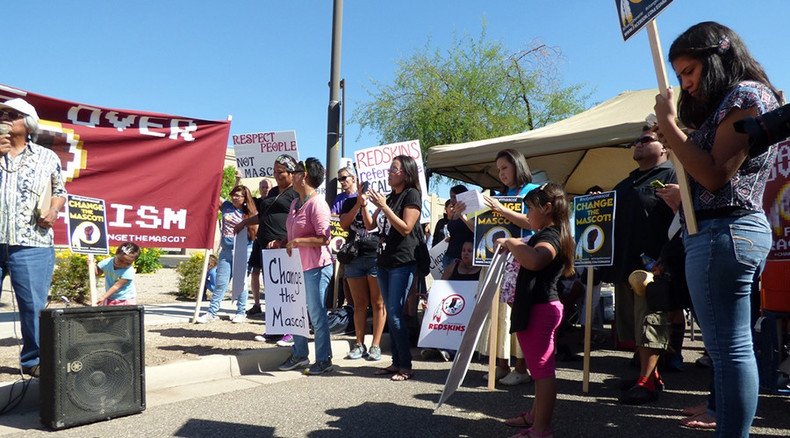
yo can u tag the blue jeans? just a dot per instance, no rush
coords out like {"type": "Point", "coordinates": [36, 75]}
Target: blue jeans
{"type": "Point", "coordinates": [224, 274]}
{"type": "Point", "coordinates": [316, 283]}
{"type": "Point", "coordinates": [721, 261]}
{"type": "Point", "coordinates": [30, 269]}
{"type": "Point", "coordinates": [395, 284]}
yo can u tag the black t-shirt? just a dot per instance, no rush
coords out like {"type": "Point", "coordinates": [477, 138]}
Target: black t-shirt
{"type": "Point", "coordinates": [272, 213]}
{"type": "Point", "coordinates": [368, 240]}
{"type": "Point", "coordinates": [641, 221]}
{"type": "Point", "coordinates": [536, 287]}
{"type": "Point", "coordinates": [459, 233]}
{"type": "Point", "coordinates": [395, 249]}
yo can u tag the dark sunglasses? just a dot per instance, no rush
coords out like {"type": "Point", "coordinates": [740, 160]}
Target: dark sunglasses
{"type": "Point", "coordinates": [646, 139]}
{"type": "Point", "coordinates": [343, 178]}
{"type": "Point", "coordinates": [10, 114]}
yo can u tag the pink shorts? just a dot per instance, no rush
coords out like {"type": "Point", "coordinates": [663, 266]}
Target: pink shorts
{"type": "Point", "coordinates": [537, 341]}
{"type": "Point", "coordinates": [130, 302]}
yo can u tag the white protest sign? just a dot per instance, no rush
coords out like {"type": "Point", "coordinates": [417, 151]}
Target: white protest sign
{"type": "Point", "coordinates": [239, 264]}
{"type": "Point", "coordinates": [450, 306]}
{"type": "Point", "coordinates": [255, 153]}
{"type": "Point", "coordinates": [373, 165]}
{"type": "Point", "coordinates": [286, 306]}
{"type": "Point", "coordinates": [473, 201]}
{"type": "Point", "coordinates": [437, 254]}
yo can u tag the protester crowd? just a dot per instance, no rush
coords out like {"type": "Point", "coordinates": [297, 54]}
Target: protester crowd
{"type": "Point", "coordinates": [712, 273]}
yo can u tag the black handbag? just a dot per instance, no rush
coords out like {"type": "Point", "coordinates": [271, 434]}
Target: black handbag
{"type": "Point", "coordinates": [348, 252]}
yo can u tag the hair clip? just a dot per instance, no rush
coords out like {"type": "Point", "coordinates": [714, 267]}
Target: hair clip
{"type": "Point", "coordinates": [723, 46]}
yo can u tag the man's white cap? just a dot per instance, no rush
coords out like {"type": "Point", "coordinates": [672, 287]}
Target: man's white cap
{"type": "Point", "coordinates": [21, 106]}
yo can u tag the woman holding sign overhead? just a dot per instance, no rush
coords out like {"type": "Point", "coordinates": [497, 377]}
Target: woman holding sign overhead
{"type": "Point", "coordinates": [398, 216]}
{"type": "Point", "coordinates": [308, 231]}
{"type": "Point", "coordinates": [722, 84]}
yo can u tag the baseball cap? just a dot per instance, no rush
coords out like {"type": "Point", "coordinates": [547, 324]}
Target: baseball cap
{"type": "Point", "coordinates": [21, 106]}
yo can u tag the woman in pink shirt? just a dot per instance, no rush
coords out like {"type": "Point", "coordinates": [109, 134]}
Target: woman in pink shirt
{"type": "Point", "coordinates": [308, 231]}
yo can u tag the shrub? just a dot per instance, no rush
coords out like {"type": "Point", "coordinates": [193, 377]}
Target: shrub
{"type": "Point", "coordinates": [70, 278]}
{"type": "Point", "coordinates": [148, 261]}
{"type": "Point", "coordinates": [189, 276]}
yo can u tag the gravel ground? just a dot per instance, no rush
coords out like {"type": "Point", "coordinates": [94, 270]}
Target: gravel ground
{"type": "Point", "coordinates": [163, 343]}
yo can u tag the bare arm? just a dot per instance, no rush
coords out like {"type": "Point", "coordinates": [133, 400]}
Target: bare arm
{"type": "Point", "coordinates": [115, 287]}
{"type": "Point", "coordinates": [533, 258]}
{"type": "Point", "coordinates": [519, 219]}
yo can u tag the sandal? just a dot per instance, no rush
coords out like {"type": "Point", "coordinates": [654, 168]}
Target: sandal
{"type": "Point", "coordinates": [525, 419]}
{"type": "Point", "coordinates": [402, 376]}
{"type": "Point", "coordinates": [392, 369]}
{"type": "Point", "coordinates": [702, 421]}
{"type": "Point", "coordinates": [693, 411]}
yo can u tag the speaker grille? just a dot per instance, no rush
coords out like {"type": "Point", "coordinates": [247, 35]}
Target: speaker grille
{"type": "Point", "coordinates": [92, 364]}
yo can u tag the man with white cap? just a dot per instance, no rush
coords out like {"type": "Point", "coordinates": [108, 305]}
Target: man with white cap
{"type": "Point", "coordinates": [32, 192]}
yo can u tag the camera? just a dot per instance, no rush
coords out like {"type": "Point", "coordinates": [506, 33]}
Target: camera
{"type": "Point", "coordinates": [766, 129]}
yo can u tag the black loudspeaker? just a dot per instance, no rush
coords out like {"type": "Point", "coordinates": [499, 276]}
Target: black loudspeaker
{"type": "Point", "coordinates": [92, 364]}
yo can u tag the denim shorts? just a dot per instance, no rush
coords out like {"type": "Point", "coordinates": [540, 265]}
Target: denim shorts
{"type": "Point", "coordinates": [361, 267]}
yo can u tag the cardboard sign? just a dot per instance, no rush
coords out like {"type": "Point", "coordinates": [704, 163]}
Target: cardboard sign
{"type": "Point", "coordinates": [255, 153]}
{"type": "Point", "coordinates": [635, 14]}
{"type": "Point", "coordinates": [437, 254]}
{"type": "Point", "coordinates": [87, 221]}
{"type": "Point", "coordinates": [337, 233]}
{"type": "Point", "coordinates": [286, 305]}
{"type": "Point", "coordinates": [450, 306]}
{"type": "Point", "coordinates": [373, 165]}
{"type": "Point", "coordinates": [490, 226]}
{"type": "Point", "coordinates": [594, 229]}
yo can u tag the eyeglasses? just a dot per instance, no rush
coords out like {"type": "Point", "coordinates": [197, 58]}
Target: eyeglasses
{"type": "Point", "coordinates": [343, 178]}
{"type": "Point", "coordinates": [394, 170]}
{"type": "Point", "coordinates": [10, 114]}
{"type": "Point", "coordinates": [646, 139]}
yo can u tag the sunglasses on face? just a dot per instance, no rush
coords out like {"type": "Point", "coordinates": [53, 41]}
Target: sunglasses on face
{"type": "Point", "coordinates": [343, 178]}
{"type": "Point", "coordinates": [394, 170]}
{"type": "Point", "coordinates": [10, 114]}
{"type": "Point", "coordinates": [646, 139]}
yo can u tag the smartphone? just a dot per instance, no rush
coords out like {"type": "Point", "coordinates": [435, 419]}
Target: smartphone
{"type": "Point", "coordinates": [656, 184]}
{"type": "Point", "coordinates": [365, 186]}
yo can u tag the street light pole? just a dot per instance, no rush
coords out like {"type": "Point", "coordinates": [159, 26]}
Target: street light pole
{"type": "Point", "coordinates": [333, 116]}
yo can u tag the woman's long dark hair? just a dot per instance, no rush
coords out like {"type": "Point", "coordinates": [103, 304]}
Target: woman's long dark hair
{"type": "Point", "coordinates": [410, 173]}
{"type": "Point", "coordinates": [552, 192]}
{"type": "Point", "coordinates": [725, 62]}
{"type": "Point", "coordinates": [516, 158]}
{"type": "Point", "coordinates": [248, 207]}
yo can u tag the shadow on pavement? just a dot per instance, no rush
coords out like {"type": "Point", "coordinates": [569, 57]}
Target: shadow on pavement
{"type": "Point", "coordinates": [209, 428]}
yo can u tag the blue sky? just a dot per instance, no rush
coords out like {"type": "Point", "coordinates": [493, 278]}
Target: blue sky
{"type": "Point", "coordinates": [267, 62]}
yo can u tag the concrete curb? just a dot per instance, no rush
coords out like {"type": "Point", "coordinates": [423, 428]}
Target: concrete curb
{"type": "Point", "coordinates": [249, 367]}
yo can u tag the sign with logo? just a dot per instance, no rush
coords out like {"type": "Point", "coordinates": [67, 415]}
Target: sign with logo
{"type": "Point", "coordinates": [635, 14]}
{"type": "Point", "coordinates": [450, 305]}
{"type": "Point", "coordinates": [255, 152]}
{"type": "Point", "coordinates": [373, 165]}
{"type": "Point", "coordinates": [286, 306]}
{"type": "Point", "coordinates": [159, 175]}
{"type": "Point", "coordinates": [776, 202]}
{"type": "Point", "coordinates": [87, 220]}
{"type": "Point", "coordinates": [337, 234]}
{"type": "Point", "coordinates": [490, 226]}
{"type": "Point", "coordinates": [594, 229]}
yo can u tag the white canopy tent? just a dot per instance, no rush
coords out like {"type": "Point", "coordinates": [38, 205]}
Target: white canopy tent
{"type": "Point", "coordinates": [590, 148]}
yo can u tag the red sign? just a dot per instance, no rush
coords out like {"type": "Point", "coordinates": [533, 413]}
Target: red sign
{"type": "Point", "coordinates": [159, 174]}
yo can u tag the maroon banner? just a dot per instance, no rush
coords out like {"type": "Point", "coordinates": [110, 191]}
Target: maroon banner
{"type": "Point", "coordinates": [776, 202]}
{"type": "Point", "coordinates": [160, 175]}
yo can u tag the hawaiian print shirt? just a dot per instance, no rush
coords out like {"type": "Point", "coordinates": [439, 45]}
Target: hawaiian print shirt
{"type": "Point", "coordinates": [23, 181]}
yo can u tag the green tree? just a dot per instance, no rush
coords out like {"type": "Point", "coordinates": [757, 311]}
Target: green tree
{"type": "Point", "coordinates": [472, 91]}
{"type": "Point", "coordinates": [228, 181]}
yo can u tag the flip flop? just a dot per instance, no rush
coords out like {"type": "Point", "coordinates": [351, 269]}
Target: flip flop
{"type": "Point", "coordinates": [701, 421]}
{"type": "Point", "coordinates": [523, 420]}
{"type": "Point", "coordinates": [401, 376]}
{"type": "Point", "coordinates": [386, 371]}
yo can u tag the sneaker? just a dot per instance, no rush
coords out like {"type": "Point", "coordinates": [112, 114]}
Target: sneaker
{"type": "Point", "coordinates": [374, 353]}
{"type": "Point", "coordinates": [254, 310]}
{"type": "Point", "coordinates": [320, 367]}
{"type": "Point", "coordinates": [638, 395]}
{"type": "Point", "coordinates": [293, 363]}
{"type": "Point", "coordinates": [286, 341]}
{"type": "Point", "coordinates": [704, 361]}
{"type": "Point", "coordinates": [515, 378]}
{"type": "Point", "coordinates": [206, 318]}
{"type": "Point", "coordinates": [445, 355]}
{"type": "Point", "coordinates": [358, 352]}
{"type": "Point", "coordinates": [239, 318]}
{"type": "Point", "coordinates": [260, 338]}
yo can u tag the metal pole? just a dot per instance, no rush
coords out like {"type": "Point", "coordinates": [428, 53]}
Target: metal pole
{"type": "Point", "coordinates": [333, 117]}
{"type": "Point", "coordinates": [343, 118]}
